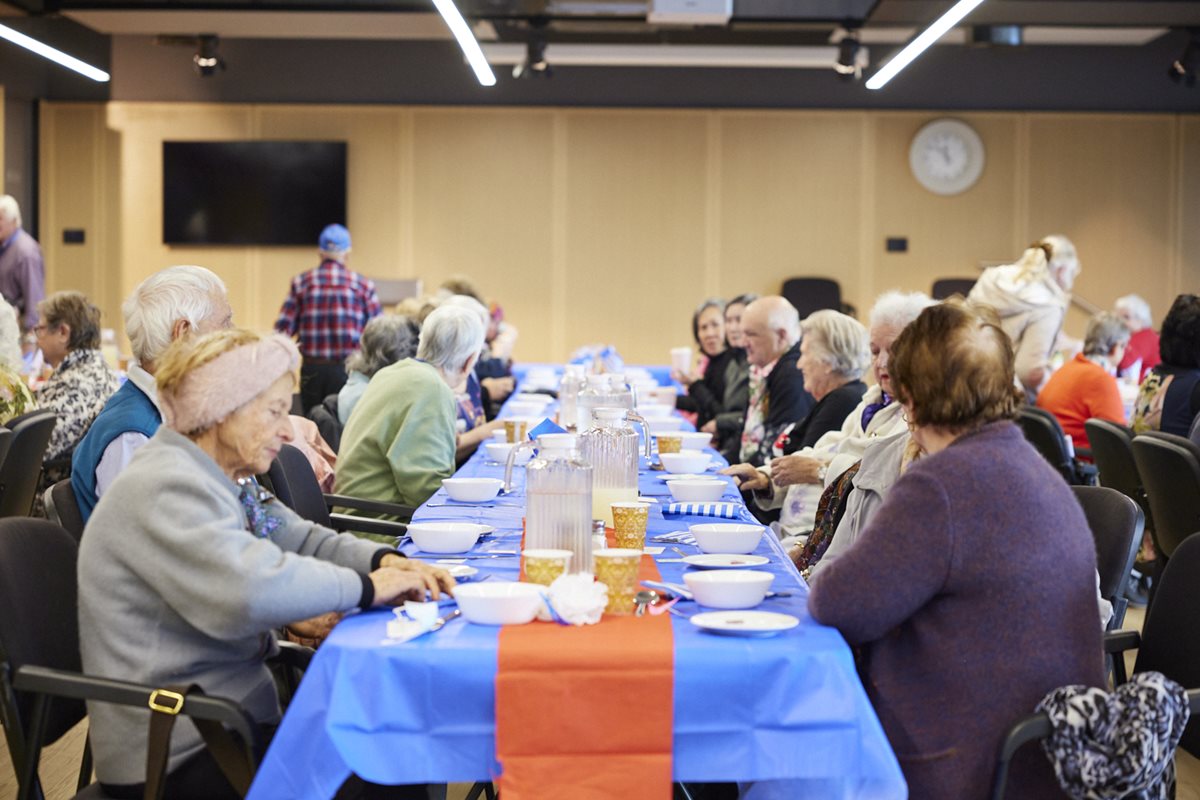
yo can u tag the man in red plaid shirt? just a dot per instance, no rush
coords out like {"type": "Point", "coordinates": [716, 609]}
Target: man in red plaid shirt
{"type": "Point", "coordinates": [326, 310]}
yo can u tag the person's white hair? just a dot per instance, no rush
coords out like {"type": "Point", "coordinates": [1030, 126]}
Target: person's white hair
{"type": "Point", "coordinates": [1052, 255]}
{"type": "Point", "coordinates": [183, 292]}
{"type": "Point", "coordinates": [781, 315]}
{"type": "Point", "coordinates": [1104, 332]}
{"type": "Point", "coordinates": [895, 309]}
{"type": "Point", "coordinates": [1136, 307]}
{"type": "Point", "coordinates": [450, 335]}
{"type": "Point", "coordinates": [10, 208]}
{"type": "Point", "coordinates": [840, 341]}
{"type": "Point", "coordinates": [468, 302]}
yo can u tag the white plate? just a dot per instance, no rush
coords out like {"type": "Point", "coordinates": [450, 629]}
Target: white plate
{"type": "Point", "coordinates": [745, 623]}
{"type": "Point", "coordinates": [725, 561]}
{"type": "Point", "coordinates": [682, 476]}
{"type": "Point", "coordinates": [459, 571]}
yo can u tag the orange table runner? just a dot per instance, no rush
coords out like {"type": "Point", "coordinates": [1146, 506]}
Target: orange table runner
{"type": "Point", "coordinates": [587, 712]}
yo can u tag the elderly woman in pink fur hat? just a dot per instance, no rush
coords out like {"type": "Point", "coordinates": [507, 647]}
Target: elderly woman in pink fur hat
{"type": "Point", "coordinates": [186, 567]}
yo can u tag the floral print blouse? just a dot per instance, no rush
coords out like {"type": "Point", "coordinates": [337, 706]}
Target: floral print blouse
{"type": "Point", "coordinates": [76, 391]}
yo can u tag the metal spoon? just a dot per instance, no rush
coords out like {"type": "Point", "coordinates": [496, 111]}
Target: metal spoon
{"type": "Point", "coordinates": [643, 599]}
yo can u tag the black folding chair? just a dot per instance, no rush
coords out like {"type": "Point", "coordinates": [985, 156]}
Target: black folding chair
{"type": "Point", "coordinates": [948, 287]}
{"type": "Point", "coordinates": [1170, 470]}
{"type": "Point", "coordinates": [63, 509]}
{"type": "Point", "coordinates": [21, 467]}
{"type": "Point", "coordinates": [1116, 523]}
{"type": "Point", "coordinates": [293, 481]}
{"type": "Point", "coordinates": [325, 416]}
{"type": "Point", "coordinates": [1042, 430]}
{"type": "Point", "coordinates": [813, 294]}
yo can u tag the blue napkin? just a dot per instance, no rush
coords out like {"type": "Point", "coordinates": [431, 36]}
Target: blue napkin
{"type": "Point", "coordinates": [546, 426]}
{"type": "Point", "coordinates": [723, 510]}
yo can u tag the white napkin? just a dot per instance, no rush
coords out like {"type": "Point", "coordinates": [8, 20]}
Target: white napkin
{"type": "Point", "coordinates": [577, 599]}
{"type": "Point", "coordinates": [412, 620]}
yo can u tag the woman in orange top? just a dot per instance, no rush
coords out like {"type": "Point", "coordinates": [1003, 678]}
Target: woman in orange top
{"type": "Point", "coordinates": [1085, 387]}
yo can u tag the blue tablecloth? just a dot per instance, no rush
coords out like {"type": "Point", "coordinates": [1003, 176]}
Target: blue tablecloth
{"type": "Point", "coordinates": [787, 713]}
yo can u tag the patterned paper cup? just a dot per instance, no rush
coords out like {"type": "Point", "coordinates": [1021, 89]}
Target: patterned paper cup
{"type": "Point", "coordinates": [617, 568]}
{"type": "Point", "coordinates": [629, 524]}
{"type": "Point", "coordinates": [669, 444]}
{"type": "Point", "coordinates": [543, 566]}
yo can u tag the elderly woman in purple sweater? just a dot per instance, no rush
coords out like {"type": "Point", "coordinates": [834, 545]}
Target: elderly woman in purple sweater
{"type": "Point", "coordinates": [971, 593]}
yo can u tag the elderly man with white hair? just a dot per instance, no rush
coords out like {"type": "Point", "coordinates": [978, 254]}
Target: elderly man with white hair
{"type": "Point", "coordinates": [22, 275]}
{"type": "Point", "coordinates": [771, 328]}
{"type": "Point", "coordinates": [399, 444]}
{"type": "Point", "coordinates": [1143, 340]}
{"type": "Point", "coordinates": [175, 302]}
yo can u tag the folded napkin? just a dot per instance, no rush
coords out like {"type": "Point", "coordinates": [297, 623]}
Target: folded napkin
{"type": "Point", "coordinates": [724, 510]}
{"type": "Point", "coordinates": [545, 426]}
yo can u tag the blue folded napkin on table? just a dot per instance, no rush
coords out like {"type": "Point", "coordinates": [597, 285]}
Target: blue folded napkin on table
{"type": "Point", "coordinates": [724, 510]}
{"type": "Point", "coordinates": [545, 426]}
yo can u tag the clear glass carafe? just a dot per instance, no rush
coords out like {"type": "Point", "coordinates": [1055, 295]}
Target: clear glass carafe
{"type": "Point", "coordinates": [611, 446]}
{"type": "Point", "coordinates": [568, 396]}
{"type": "Point", "coordinates": [621, 393]}
{"type": "Point", "coordinates": [595, 394]}
{"type": "Point", "coordinates": [558, 499]}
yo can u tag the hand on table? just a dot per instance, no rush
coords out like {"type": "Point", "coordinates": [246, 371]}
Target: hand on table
{"type": "Point", "coordinates": [435, 580]}
{"type": "Point", "coordinates": [747, 477]}
{"type": "Point", "coordinates": [793, 469]}
{"type": "Point", "coordinates": [311, 632]}
{"type": "Point", "coordinates": [709, 427]}
{"type": "Point", "coordinates": [499, 389]}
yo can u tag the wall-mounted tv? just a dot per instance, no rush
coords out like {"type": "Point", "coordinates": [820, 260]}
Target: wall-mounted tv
{"type": "Point", "coordinates": [252, 192]}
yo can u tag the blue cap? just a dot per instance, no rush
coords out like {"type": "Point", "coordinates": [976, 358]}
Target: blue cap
{"type": "Point", "coordinates": [334, 239]}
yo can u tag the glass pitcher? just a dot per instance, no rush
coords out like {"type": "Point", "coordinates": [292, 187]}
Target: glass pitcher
{"type": "Point", "coordinates": [611, 446]}
{"type": "Point", "coordinates": [558, 498]}
{"type": "Point", "coordinates": [568, 396]}
{"type": "Point", "coordinates": [595, 394]}
{"type": "Point", "coordinates": [622, 393]}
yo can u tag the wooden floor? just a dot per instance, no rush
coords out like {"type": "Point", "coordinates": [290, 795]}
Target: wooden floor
{"type": "Point", "coordinates": [60, 763]}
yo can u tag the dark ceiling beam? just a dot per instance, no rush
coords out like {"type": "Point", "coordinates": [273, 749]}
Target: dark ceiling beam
{"type": "Point", "coordinates": [1073, 13]}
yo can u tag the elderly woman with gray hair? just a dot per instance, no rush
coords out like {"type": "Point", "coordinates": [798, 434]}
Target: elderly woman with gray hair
{"type": "Point", "coordinates": [400, 443]}
{"type": "Point", "coordinates": [1143, 347]}
{"type": "Point", "coordinates": [1085, 386]}
{"type": "Point", "coordinates": [186, 567]}
{"type": "Point", "coordinates": [385, 340]}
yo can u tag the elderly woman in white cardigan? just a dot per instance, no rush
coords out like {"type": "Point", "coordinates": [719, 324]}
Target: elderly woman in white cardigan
{"type": "Point", "coordinates": [186, 567]}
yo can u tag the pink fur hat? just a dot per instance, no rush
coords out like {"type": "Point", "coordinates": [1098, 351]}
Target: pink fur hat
{"type": "Point", "coordinates": [214, 390]}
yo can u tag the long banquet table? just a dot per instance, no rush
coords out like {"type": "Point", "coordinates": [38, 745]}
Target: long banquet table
{"type": "Point", "coordinates": [787, 714]}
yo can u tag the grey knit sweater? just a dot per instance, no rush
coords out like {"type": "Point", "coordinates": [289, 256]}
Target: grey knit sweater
{"type": "Point", "coordinates": [174, 590]}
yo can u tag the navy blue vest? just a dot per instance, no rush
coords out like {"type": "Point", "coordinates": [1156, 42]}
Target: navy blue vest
{"type": "Point", "coordinates": [127, 411]}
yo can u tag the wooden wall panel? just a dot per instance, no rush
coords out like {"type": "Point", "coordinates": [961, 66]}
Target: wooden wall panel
{"type": "Point", "coordinates": [485, 210]}
{"type": "Point", "coordinates": [1107, 182]}
{"type": "Point", "coordinates": [948, 237]}
{"type": "Point", "coordinates": [790, 197]}
{"type": "Point", "coordinates": [634, 226]}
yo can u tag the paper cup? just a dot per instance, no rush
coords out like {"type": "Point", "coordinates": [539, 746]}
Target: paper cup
{"type": "Point", "coordinates": [669, 444]}
{"type": "Point", "coordinates": [617, 568]}
{"type": "Point", "coordinates": [629, 524]}
{"type": "Point", "coordinates": [515, 430]}
{"type": "Point", "coordinates": [681, 359]}
{"type": "Point", "coordinates": [543, 566]}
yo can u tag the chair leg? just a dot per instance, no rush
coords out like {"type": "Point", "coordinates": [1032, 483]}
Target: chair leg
{"type": "Point", "coordinates": [484, 789]}
{"type": "Point", "coordinates": [28, 786]}
{"type": "Point", "coordinates": [85, 767]}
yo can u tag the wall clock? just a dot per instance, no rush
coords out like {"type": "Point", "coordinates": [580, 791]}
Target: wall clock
{"type": "Point", "coordinates": [946, 156]}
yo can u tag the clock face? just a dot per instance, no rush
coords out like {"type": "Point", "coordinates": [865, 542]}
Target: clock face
{"type": "Point", "coordinates": [946, 157]}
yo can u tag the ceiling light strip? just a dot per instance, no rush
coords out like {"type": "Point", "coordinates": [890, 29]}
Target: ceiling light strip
{"type": "Point", "coordinates": [917, 46]}
{"type": "Point", "coordinates": [57, 56]}
{"type": "Point", "coordinates": [466, 40]}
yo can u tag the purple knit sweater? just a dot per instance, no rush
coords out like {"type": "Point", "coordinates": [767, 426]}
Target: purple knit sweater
{"type": "Point", "coordinates": [969, 596]}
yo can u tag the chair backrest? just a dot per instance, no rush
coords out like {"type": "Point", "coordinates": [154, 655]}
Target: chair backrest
{"type": "Point", "coordinates": [948, 287]}
{"type": "Point", "coordinates": [1046, 435]}
{"type": "Point", "coordinates": [812, 294]}
{"type": "Point", "coordinates": [325, 416]}
{"type": "Point", "coordinates": [295, 484]}
{"type": "Point", "coordinates": [63, 509]}
{"type": "Point", "coordinates": [1171, 633]}
{"type": "Point", "coordinates": [1116, 523]}
{"type": "Point", "coordinates": [22, 466]}
{"type": "Point", "coordinates": [39, 626]}
{"type": "Point", "coordinates": [1170, 470]}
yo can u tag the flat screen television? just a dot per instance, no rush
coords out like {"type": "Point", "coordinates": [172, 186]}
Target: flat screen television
{"type": "Point", "coordinates": [252, 193]}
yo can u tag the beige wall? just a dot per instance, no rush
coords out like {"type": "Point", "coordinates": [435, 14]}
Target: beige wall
{"type": "Point", "coordinates": [610, 225]}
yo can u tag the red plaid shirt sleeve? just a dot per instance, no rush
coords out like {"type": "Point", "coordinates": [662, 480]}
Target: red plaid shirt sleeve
{"type": "Point", "coordinates": [327, 309]}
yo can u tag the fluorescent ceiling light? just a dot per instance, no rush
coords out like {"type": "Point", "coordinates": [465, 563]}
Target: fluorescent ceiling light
{"type": "Point", "coordinates": [57, 56]}
{"type": "Point", "coordinates": [466, 40]}
{"type": "Point", "coordinates": [922, 42]}
{"type": "Point", "coordinates": [671, 55]}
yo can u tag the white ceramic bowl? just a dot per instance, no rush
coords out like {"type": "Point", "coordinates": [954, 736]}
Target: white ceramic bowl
{"type": "Point", "coordinates": [445, 537]}
{"type": "Point", "coordinates": [522, 408]}
{"type": "Point", "coordinates": [698, 490]}
{"type": "Point", "coordinates": [729, 588]}
{"type": "Point", "coordinates": [662, 394]}
{"type": "Point", "coordinates": [689, 462]}
{"type": "Point", "coordinates": [500, 436]}
{"type": "Point", "coordinates": [694, 441]}
{"type": "Point", "coordinates": [655, 411]}
{"type": "Point", "coordinates": [498, 452]}
{"type": "Point", "coordinates": [472, 490]}
{"type": "Point", "coordinates": [664, 425]}
{"type": "Point", "coordinates": [533, 398]}
{"type": "Point", "coordinates": [499, 602]}
{"type": "Point", "coordinates": [727, 537]}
